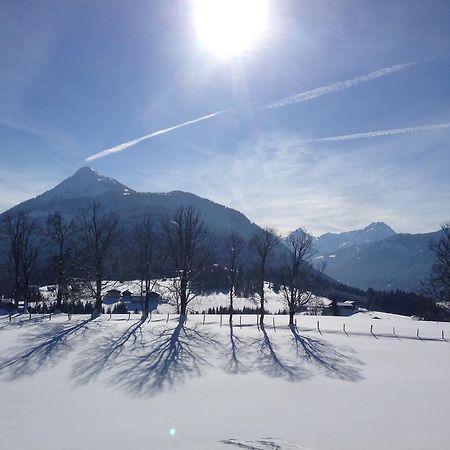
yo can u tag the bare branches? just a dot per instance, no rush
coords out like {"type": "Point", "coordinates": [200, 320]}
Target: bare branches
{"type": "Point", "coordinates": [60, 232]}
{"type": "Point", "coordinates": [98, 231]}
{"type": "Point", "coordinates": [190, 248]}
{"type": "Point", "coordinates": [19, 230]}
{"type": "Point", "coordinates": [234, 247]}
{"type": "Point", "coordinates": [263, 244]}
{"type": "Point", "coordinates": [296, 272]}
{"type": "Point", "coordinates": [148, 258]}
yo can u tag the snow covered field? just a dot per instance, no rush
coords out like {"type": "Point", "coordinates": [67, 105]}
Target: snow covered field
{"type": "Point", "coordinates": [117, 384]}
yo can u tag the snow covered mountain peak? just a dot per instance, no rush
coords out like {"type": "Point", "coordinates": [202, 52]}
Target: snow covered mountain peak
{"type": "Point", "coordinates": [376, 231]}
{"type": "Point", "coordinates": [379, 227]}
{"type": "Point", "coordinates": [86, 182]}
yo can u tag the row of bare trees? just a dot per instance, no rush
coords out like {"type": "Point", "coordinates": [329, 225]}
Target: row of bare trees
{"type": "Point", "coordinates": [83, 248]}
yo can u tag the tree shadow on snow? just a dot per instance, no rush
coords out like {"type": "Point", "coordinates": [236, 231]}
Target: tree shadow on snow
{"type": "Point", "coordinates": [101, 356]}
{"type": "Point", "coordinates": [332, 361]}
{"type": "Point", "coordinates": [236, 352]}
{"type": "Point", "coordinates": [171, 356]}
{"type": "Point", "coordinates": [43, 347]}
{"type": "Point", "coordinates": [269, 362]}
{"type": "Point", "coordinates": [22, 320]}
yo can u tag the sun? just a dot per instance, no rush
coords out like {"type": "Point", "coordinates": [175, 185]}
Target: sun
{"type": "Point", "coordinates": [230, 27]}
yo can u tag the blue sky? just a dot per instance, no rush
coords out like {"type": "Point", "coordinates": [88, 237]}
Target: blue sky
{"type": "Point", "coordinates": [78, 77]}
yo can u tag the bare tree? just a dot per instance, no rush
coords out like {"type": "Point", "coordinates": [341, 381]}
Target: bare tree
{"type": "Point", "coordinates": [263, 243]}
{"type": "Point", "coordinates": [296, 272]}
{"type": "Point", "coordinates": [235, 245]}
{"type": "Point", "coordinates": [19, 232]}
{"type": "Point", "coordinates": [149, 257]}
{"type": "Point", "coordinates": [60, 231]}
{"type": "Point", "coordinates": [29, 258]}
{"type": "Point", "coordinates": [98, 231]}
{"type": "Point", "coordinates": [439, 282]}
{"type": "Point", "coordinates": [190, 248]}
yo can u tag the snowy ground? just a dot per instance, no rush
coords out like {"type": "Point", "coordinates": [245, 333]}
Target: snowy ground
{"type": "Point", "coordinates": [123, 384]}
{"type": "Point", "coordinates": [273, 304]}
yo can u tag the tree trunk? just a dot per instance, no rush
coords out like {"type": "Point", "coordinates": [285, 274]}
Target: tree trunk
{"type": "Point", "coordinates": [291, 317]}
{"type": "Point", "coordinates": [98, 300]}
{"type": "Point", "coordinates": [145, 307]}
{"type": "Point", "coordinates": [231, 305]}
{"type": "Point", "coordinates": [183, 298]}
{"type": "Point", "coordinates": [261, 317]}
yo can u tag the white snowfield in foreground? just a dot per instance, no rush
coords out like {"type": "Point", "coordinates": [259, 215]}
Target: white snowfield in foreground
{"type": "Point", "coordinates": [124, 384]}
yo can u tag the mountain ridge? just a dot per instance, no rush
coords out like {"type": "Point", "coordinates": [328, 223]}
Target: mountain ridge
{"type": "Point", "coordinates": [375, 256]}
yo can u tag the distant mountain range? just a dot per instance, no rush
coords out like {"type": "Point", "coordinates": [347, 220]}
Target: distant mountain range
{"type": "Point", "coordinates": [330, 242]}
{"type": "Point", "coordinates": [375, 256]}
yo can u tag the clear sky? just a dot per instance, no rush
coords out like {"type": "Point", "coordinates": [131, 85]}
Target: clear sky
{"type": "Point", "coordinates": [79, 77]}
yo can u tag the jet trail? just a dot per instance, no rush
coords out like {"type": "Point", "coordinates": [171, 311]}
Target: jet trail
{"type": "Point", "coordinates": [372, 134]}
{"type": "Point", "coordinates": [338, 86]}
{"type": "Point", "coordinates": [297, 98]}
{"type": "Point", "coordinates": [119, 148]}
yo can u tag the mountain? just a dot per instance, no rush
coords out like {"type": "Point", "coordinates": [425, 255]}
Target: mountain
{"type": "Point", "coordinates": [85, 183]}
{"type": "Point", "coordinates": [329, 242]}
{"type": "Point", "coordinates": [400, 261]}
{"type": "Point", "coordinates": [77, 191]}
{"type": "Point", "coordinates": [374, 257]}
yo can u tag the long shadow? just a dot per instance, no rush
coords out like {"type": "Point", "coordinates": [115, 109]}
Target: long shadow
{"type": "Point", "coordinates": [22, 320]}
{"type": "Point", "coordinates": [326, 357]}
{"type": "Point", "coordinates": [172, 356]}
{"type": "Point", "coordinates": [40, 348]}
{"type": "Point", "coordinates": [236, 351]}
{"type": "Point", "coordinates": [270, 363]}
{"type": "Point", "coordinates": [102, 355]}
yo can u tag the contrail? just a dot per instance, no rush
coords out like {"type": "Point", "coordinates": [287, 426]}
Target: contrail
{"type": "Point", "coordinates": [119, 148]}
{"type": "Point", "coordinates": [338, 86]}
{"type": "Point", "coordinates": [297, 98]}
{"type": "Point", "coordinates": [372, 134]}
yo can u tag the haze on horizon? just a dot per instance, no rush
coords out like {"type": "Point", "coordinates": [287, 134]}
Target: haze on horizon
{"type": "Point", "coordinates": [268, 109]}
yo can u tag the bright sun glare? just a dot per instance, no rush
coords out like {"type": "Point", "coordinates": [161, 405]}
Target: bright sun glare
{"type": "Point", "coordinates": [230, 27]}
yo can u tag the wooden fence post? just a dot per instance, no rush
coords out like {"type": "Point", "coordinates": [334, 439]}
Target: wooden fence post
{"type": "Point", "coordinates": [203, 319]}
{"type": "Point", "coordinates": [167, 320]}
{"type": "Point", "coordinates": [221, 320]}
{"type": "Point", "coordinates": [240, 322]}
{"type": "Point", "coordinates": [443, 336]}
{"type": "Point", "coordinates": [273, 323]}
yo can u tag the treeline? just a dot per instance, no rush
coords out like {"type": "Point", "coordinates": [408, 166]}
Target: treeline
{"type": "Point", "coordinates": [406, 304]}
{"type": "Point", "coordinates": [83, 253]}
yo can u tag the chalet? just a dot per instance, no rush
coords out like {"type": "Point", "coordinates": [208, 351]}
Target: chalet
{"type": "Point", "coordinates": [113, 293]}
{"type": "Point", "coordinates": [128, 294]}
{"type": "Point", "coordinates": [346, 308]}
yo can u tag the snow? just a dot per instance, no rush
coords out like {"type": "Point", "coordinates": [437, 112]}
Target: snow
{"type": "Point", "coordinates": [122, 384]}
{"type": "Point", "coordinates": [273, 304]}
